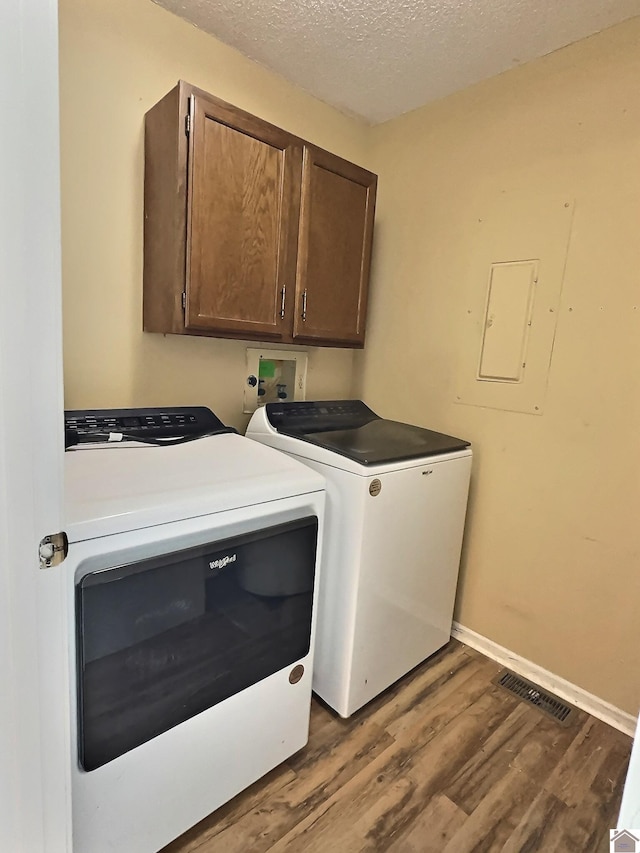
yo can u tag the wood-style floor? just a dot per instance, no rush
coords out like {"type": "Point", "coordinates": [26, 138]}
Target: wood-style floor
{"type": "Point", "coordinates": [443, 761]}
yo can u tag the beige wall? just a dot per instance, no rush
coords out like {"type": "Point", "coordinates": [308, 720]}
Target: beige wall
{"type": "Point", "coordinates": [552, 557]}
{"type": "Point", "coordinates": [551, 567]}
{"type": "Point", "coordinates": [117, 58]}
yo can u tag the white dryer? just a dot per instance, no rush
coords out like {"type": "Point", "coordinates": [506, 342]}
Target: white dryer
{"type": "Point", "coordinates": [190, 594]}
{"type": "Point", "coordinates": [394, 522]}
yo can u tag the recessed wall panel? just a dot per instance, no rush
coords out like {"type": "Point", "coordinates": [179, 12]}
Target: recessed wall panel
{"type": "Point", "coordinates": [516, 256]}
{"type": "Point", "coordinates": [507, 319]}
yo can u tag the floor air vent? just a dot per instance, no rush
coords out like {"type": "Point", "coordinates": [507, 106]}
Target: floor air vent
{"type": "Point", "coordinates": [534, 695]}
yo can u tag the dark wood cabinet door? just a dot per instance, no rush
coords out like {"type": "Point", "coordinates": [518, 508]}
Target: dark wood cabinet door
{"type": "Point", "coordinates": [245, 238]}
{"type": "Point", "coordinates": [334, 249]}
{"type": "Point", "coordinates": [242, 218]}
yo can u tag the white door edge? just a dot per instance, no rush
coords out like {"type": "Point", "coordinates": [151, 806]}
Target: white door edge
{"type": "Point", "coordinates": [35, 805]}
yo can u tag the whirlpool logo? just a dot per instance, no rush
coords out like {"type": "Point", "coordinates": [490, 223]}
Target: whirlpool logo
{"type": "Point", "coordinates": [223, 561]}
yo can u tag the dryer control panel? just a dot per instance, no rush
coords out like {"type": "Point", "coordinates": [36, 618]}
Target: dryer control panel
{"type": "Point", "coordinates": [144, 423]}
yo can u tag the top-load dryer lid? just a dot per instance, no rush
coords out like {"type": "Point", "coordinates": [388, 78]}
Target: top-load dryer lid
{"type": "Point", "coordinates": [352, 429]}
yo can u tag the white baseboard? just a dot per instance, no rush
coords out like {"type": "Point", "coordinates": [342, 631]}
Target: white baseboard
{"type": "Point", "coordinates": [553, 683]}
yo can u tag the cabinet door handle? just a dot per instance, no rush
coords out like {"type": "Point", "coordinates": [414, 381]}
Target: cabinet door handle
{"type": "Point", "coordinates": [304, 305]}
{"type": "Point", "coordinates": [282, 295]}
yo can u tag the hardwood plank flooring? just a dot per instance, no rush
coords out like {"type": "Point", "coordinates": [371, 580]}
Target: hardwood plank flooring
{"type": "Point", "coordinates": [443, 761]}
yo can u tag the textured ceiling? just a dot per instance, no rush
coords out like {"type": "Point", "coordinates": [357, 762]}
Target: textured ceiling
{"type": "Point", "coordinates": [378, 59]}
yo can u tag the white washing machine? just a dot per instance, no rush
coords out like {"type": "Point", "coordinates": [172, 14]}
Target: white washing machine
{"type": "Point", "coordinates": [394, 522]}
{"type": "Point", "coordinates": [191, 602]}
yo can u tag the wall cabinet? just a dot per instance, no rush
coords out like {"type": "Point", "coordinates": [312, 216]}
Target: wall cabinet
{"type": "Point", "coordinates": [249, 231]}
